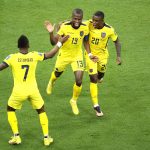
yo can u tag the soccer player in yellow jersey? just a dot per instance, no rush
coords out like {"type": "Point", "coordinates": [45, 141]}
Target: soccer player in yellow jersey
{"type": "Point", "coordinates": [100, 33]}
{"type": "Point", "coordinates": [70, 53]}
{"type": "Point", "coordinates": [23, 66]}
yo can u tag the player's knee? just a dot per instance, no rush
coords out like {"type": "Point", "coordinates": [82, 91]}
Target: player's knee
{"type": "Point", "coordinates": [79, 82]}
{"type": "Point", "coordinates": [10, 108]}
{"type": "Point", "coordinates": [58, 74]}
{"type": "Point", "coordinates": [41, 110]}
{"type": "Point", "coordinates": [93, 78]}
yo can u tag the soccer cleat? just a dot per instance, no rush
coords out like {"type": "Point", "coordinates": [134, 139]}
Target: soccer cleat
{"type": "Point", "coordinates": [47, 141]}
{"type": "Point", "coordinates": [49, 87]}
{"type": "Point", "coordinates": [99, 113]}
{"type": "Point", "coordinates": [15, 140]}
{"type": "Point", "coordinates": [74, 106]}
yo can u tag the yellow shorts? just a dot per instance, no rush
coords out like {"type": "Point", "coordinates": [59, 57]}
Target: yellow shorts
{"type": "Point", "coordinates": [94, 68]}
{"type": "Point", "coordinates": [18, 97]}
{"type": "Point", "coordinates": [75, 62]}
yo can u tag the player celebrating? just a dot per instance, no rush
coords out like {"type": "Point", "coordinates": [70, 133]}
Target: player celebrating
{"type": "Point", "coordinates": [70, 53]}
{"type": "Point", "coordinates": [23, 66]}
{"type": "Point", "coordinates": [100, 32]}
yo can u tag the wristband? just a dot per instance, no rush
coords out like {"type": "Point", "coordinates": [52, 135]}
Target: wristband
{"type": "Point", "coordinates": [59, 44]}
{"type": "Point", "coordinates": [90, 54]}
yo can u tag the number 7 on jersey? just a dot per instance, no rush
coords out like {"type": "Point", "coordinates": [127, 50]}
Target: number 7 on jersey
{"type": "Point", "coordinates": [26, 71]}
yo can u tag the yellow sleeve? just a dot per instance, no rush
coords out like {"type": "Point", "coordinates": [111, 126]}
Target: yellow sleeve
{"type": "Point", "coordinates": [87, 22]}
{"type": "Point", "coordinates": [39, 56]}
{"type": "Point", "coordinates": [61, 30]}
{"type": "Point", "coordinates": [8, 59]}
{"type": "Point", "coordinates": [114, 35]}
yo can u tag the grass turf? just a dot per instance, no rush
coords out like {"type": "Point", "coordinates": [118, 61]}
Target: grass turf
{"type": "Point", "coordinates": [124, 94]}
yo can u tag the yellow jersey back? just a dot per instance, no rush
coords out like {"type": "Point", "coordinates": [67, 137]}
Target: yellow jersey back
{"type": "Point", "coordinates": [24, 67]}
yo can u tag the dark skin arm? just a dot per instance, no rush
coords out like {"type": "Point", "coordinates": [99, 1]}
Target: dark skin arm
{"type": "Point", "coordinates": [53, 39]}
{"type": "Point", "coordinates": [118, 51]}
{"type": "Point", "coordinates": [3, 66]}
{"type": "Point", "coordinates": [87, 48]}
{"type": "Point", "coordinates": [50, 28]}
{"type": "Point", "coordinates": [52, 53]}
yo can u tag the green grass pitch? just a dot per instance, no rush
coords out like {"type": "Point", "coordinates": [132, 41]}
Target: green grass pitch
{"type": "Point", "coordinates": [124, 94]}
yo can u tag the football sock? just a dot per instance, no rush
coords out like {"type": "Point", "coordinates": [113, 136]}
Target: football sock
{"type": "Point", "coordinates": [53, 77]}
{"type": "Point", "coordinates": [94, 93]}
{"type": "Point", "coordinates": [76, 91]}
{"type": "Point", "coordinates": [44, 123]}
{"type": "Point", "coordinates": [12, 119]}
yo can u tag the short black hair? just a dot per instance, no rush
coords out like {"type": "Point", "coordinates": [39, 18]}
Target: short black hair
{"type": "Point", "coordinates": [23, 42]}
{"type": "Point", "coordinates": [99, 14]}
{"type": "Point", "coordinates": [77, 11]}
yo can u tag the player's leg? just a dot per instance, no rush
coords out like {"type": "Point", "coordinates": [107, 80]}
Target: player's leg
{"type": "Point", "coordinates": [59, 68]}
{"type": "Point", "coordinates": [14, 103]}
{"type": "Point", "coordinates": [54, 76]}
{"type": "Point", "coordinates": [92, 70]}
{"type": "Point", "coordinates": [94, 94]}
{"type": "Point", "coordinates": [44, 124]}
{"type": "Point", "coordinates": [38, 104]}
{"type": "Point", "coordinates": [78, 68]}
{"type": "Point", "coordinates": [101, 69]}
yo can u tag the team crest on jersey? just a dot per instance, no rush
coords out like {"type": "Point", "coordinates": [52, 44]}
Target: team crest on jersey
{"type": "Point", "coordinates": [103, 34]}
{"type": "Point", "coordinates": [81, 33]}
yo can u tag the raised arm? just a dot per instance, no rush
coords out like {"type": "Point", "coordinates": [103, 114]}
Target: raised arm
{"type": "Point", "coordinates": [118, 51]}
{"type": "Point", "coordinates": [52, 52]}
{"type": "Point", "coordinates": [3, 65]}
{"type": "Point", "coordinates": [50, 29]}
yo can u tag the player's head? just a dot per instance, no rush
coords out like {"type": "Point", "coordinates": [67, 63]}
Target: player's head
{"type": "Point", "coordinates": [77, 15]}
{"type": "Point", "coordinates": [98, 19]}
{"type": "Point", "coordinates": [23, 42]}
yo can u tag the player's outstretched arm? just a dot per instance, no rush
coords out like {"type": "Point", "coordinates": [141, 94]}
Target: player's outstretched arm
{"type": "Point", "coordinates": [50, 29]}
{"type": "Point", "coordinates": [3, 66]}
{"type": "Point", "coordinates": [118, 51]}
{"type": "Point", "coordinates": [60, 42]}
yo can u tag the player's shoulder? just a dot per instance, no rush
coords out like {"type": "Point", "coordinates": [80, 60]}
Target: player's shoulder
{"type": "Point", "coordinates": [36, 53]}
{"type": "Point", "coordinates": [66, 23]}
{"type": "Point", "coordinates": [9, 56]}
{"type": "Point", "coordinates": [106, 25]}
{"type": "Point", "coordinates": [84, 25]}
{"type": "Point", "coordinates": [87, 22]}
{"type": "Point", "coordinates": [109, 28]}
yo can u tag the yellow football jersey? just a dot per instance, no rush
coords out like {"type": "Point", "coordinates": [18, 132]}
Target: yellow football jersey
{"type": "Point", "coordinates": [98, 38]}
{"type": "Point", "coordinates": [23, 68]}
{"type": "Point", "coordinates": [73, 46]}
